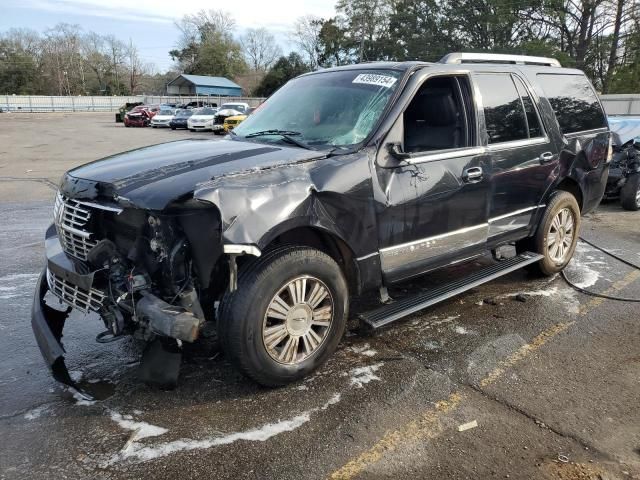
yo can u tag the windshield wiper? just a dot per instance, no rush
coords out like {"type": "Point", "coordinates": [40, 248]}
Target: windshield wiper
{"type": "Point", "coordinates": [286, 134]}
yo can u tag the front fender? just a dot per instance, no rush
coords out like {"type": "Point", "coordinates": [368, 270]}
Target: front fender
{"type": "Point", "coordinates": [335, 196]}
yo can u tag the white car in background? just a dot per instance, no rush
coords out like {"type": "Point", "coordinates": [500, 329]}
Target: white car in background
{"type": "Point", "coordinates": [163, 117]}
{"type": "Point", "coordinates": [202, 119]}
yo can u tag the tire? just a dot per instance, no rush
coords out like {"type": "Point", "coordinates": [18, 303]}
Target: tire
{"type": "Point", "coordinates": [630, 193]}
{"type": "Point", "coordinates": [547, 228]}
{"type": "Point", "coordinates": [244, 317]}
{"type": "Point", "coordinates": [191, 130]}
{"type": "Point", "coordinates": [173, 128]}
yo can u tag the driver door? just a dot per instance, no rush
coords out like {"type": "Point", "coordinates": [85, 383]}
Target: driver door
{"type": "Point", "coordinates": [435, 180]}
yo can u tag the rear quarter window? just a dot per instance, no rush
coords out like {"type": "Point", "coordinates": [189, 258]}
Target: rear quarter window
{"type": "Point", "coordinates": [574, 102]}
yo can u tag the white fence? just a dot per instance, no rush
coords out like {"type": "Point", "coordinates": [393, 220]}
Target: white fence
{"type": "Point", "coordinates": [622, 104]}
{"type": "Point", "coordinates": [38, 103]}
{"type": "Point", "coordinates": [626, 104]}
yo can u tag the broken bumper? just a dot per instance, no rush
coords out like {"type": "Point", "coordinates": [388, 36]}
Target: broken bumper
{"type": "Point", "coordinates": [47, 322]}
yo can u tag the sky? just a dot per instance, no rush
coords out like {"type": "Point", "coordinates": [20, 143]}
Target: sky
{"type": "Point", "coordinates": [150, 23]}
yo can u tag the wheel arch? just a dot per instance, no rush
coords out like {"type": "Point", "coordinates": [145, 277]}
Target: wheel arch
{"type": "Point", "coordinates": [304, 234]}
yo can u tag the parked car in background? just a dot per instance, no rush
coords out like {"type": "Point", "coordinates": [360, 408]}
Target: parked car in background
{"type": "Point", "coordinates": [348, 180]}
{"type": "Point", "coordinates": [163, 117]}
{"type": "Point", "coordinates": [231, 122]}
{"type": "Point", "coordinates": [140, 116]}
{"type": "Point", "coordinates": [227, 110]}
{"type": "Point", "coordinates": [202, 119]}
{"type": "Point", "coordinates": [179, 120]}
{"type": "Point", "coordinates": [624, 173]}
{"type": "Point", "coordinates": [127, 107]}
{"type": "Point", "coordinates": [198, 104]}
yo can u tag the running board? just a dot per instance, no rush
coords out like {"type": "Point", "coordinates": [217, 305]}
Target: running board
{"type": "Point", "coordinates": [394, 311]}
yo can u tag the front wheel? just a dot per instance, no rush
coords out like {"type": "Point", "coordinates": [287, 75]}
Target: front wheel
{"type": "Point", "coordinates": [286, 317]}
{"type": "Point", "coordinates": [630, 193]}
{"type": "Point", "coordinates": [556, 236]}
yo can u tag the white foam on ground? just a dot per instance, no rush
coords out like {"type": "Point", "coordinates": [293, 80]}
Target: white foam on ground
{"type": "Point", "coordinates": [566, 295]}
{"type": "Point", "coordinates": [364, 349]}
{"type": "Point", "coordinates": [579, 270]}
{"type": "Point", "coordinates": [137, 451]}
{"type": "Point", "coordinates": [81, 399]}
{"type": "Point", "coordinates": [363, 375]}
{"type": "Point", "coordinates": [459, 329]}
{"type": "Point", "coordinates": [142, 429]}
{"type": "Point", "coordinates": [36, 412]}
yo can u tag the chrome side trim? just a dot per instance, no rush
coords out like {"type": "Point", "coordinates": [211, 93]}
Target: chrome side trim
{"type": "Point", "coordinates": [465, 152]}
{"type": "Point", "coordinates": [511, 214]}
{"type": "Point", "coordinates": [518, 143]}
{"type": "Point", "coordinates": [515, 220]}
{"type": "Point", "coordinates": [398, 256]}
{"type": "Point", "coordinates": [595, 131]}
{"type": "Point", "coordinates": [238, 249]}
{"type": "Point", "coordinates": [359, 259]}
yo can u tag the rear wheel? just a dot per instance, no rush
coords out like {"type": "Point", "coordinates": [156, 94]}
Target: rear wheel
{"type": "Point", "coordinates": [286, 317]}
{"type": "Point", "coordinates": [556, 236]}
{"type": "Point", "coordinates": [630, 193]}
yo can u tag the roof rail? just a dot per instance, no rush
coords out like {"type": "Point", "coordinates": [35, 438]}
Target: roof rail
{"type": "Point", "coordinates": [463, 57]}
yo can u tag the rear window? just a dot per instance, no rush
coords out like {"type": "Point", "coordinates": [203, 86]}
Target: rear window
{"type": "Point", "coordinates": [574, 102]}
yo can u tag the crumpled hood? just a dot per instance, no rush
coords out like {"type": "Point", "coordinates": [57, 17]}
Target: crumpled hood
{"type": "Point", "coordinates": [152, 177]}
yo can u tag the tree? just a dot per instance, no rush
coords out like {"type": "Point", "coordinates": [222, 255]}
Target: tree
{"type": "Point", "coordinates": [282, 71]}
{"type": "Point", "coordinates": [260, 49]}
{"type": "Point", "coordinates": [306, 35]}
{"type": "Point", "coordinates": [207, 47]}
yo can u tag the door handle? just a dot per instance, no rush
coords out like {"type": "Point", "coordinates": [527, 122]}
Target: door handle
{"type": "Point", "coordinates": [472, 175]}
{"type": "Point", "coordinates": [546, 157]}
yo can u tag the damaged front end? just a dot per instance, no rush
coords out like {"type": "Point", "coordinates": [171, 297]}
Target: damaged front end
{"type": "Point", "coordinates": [145, 273]}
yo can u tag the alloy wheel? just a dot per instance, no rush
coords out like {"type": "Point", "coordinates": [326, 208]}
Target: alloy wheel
{"type": "Point", "coordinates": [560, 236]}
{"type": "Point", "coordinates": [297, 320]}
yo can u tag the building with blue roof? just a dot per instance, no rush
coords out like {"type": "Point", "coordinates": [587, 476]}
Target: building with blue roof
{"type": "Point", "coordinates": [202, 85]}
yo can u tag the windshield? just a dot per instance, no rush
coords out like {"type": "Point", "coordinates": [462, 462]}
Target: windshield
{"type": "Point", "coordinates": [337, 108]}
{"type": "Point", "coordinates": [184, 113]}
{"type": "Point", "coordinates": [165, 111]}
{"type": "Point", "coordinates": [205, 111]}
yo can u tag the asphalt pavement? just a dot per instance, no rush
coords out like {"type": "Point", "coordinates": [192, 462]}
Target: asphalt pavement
{"type": "Point", "coordinates": [545, 380]}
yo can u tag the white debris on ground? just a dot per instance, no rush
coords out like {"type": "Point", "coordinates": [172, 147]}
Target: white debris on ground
{"type": "Point", "coordinates": [141, 429]}
{"type": "Point", "coordinates": [137, 451]}
{"type": "Point", "coordinates": [80, 398]}
{"type": "Point", "coordinates": [566, 295]}
{"type": "Point", "coordinates": [459, 329]}
{"type": "Point", "coordinates": [17, 285]}
{"type": "Point", "coordinates": [363, 375]}
{"type": "Point", "coordinates": [364, 349]}
{"type": "Point", "coordinates": [579, 270]}
{"type": "Point", "coordinates": [36, 412]}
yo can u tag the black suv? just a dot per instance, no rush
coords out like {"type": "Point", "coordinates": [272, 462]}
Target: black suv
{"type": "Point", "coordinates": [346, 180]}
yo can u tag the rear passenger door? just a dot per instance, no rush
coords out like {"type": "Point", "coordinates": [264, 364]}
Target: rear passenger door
{"type": "Point", "coordinates": [522, 155]}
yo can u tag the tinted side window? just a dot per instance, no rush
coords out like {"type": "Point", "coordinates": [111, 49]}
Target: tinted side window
{"type": "Point", "coordinates": [574, 101]}
{"type": "Point", "coordinates": [503, 111]}
{"type": "Point", "coordinates": [533, 121]}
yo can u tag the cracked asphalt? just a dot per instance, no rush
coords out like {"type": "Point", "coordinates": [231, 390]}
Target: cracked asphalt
{"type": "Point", "coordinates": [551, 376]}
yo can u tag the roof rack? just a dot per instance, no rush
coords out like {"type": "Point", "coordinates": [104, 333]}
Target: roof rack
{"type": "Point", "coordinates": [463, 57]}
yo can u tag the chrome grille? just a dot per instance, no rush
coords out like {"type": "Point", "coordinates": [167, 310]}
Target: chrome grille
{"type": "Point", "coordinates": [71, 218]}
{"type": "Point", "coordinates": [73, 295]}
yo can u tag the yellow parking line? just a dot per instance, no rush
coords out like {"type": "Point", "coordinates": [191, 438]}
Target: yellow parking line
{"type": "Point", "coordinates": [429, 426]}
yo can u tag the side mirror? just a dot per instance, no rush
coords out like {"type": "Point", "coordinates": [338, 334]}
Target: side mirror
{"type": "Point", "coordinates": [395, 149]}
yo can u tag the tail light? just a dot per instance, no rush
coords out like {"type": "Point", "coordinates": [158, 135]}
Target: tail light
{"type": "Point", "coordinates": [610, 150]}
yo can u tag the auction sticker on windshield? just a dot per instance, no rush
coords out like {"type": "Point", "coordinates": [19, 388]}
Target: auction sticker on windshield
{"type": "Point", "coordinates": [373, 79]}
